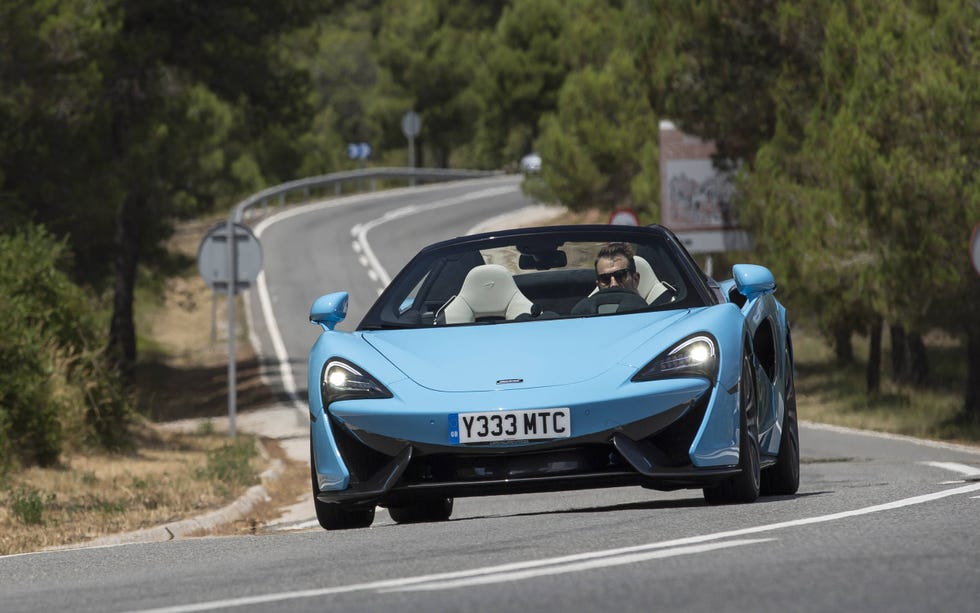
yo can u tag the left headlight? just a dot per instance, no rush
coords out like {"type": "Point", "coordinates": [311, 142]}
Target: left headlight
{"type": "Point", "coordinates": [342, 380]}
{"type": "Point", "coordinates": [696, 356]}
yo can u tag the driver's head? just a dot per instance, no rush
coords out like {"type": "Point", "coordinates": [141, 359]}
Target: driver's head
{"type": "Point", "coordinates": [615, 267]}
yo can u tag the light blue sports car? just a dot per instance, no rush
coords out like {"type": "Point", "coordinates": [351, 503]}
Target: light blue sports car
{"type": "Point", "coordinates": [545, 359]}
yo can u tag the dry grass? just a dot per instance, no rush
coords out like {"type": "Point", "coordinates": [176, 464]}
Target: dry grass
{"type": "Point", "coordinates": [93, 495]}
{"type": "Point", "coordinates": [832, 394]}
{"type": "Point", "coordinates": [182, 373]}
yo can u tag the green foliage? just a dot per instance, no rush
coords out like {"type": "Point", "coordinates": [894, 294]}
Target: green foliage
{"type": "Point", "coordinates": [230, 464]}
{"type": "Point", "coordinates": [429, 52]}
{"type": "Point", "coordinates": [54, 386]}
{"type": "Point", "coordinates": [591, 147]}
{"type": "Point", "coordinates": [855, 126]}
{"type": "Point", "coordinates": [520, 78]}
{"type": "Point", "coordinates": [27, 505]}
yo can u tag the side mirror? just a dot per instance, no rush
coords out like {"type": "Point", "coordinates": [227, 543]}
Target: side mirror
{"type": "Point", "coordinates": [329, 310]}
{"type": "Point", "coordinates": [752, 279]}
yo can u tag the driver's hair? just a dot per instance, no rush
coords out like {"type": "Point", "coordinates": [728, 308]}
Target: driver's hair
{"type": "Point", "coordinates": [613, 250]}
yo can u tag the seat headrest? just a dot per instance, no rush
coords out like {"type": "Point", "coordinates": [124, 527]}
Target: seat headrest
{"type": "Point", "coordinates": [487, 291]}
{"type": "Point", "coordinates": [647, 277]}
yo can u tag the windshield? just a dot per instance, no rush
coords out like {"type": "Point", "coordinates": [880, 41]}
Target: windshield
{"type": "Point", "coordinates": [535, 276]}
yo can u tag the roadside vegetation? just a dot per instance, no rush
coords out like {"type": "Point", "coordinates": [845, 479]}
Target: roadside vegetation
{"type": "Point", "coordinates": [172, 476]}
{"type": "Point", "coordinates": [830, 394]}
{"type": "Point", "coordinates": [167, 470]}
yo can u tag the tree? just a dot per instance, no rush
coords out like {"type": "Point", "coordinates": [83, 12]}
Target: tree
{"type": "Point", "coordinates": [519, 80]}
{"type": "Point", "coordinates": [430, 52]}
{"type": "Point", "coordinates": [601, 138]}
{"type": "Point", "coordinates": [172, 70]}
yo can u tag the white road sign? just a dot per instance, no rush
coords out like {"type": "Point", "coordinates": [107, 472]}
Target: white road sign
{"type": "Point", "coordinates": [212, 257]}
{"type": "Point", "coordinates": [411, 124]}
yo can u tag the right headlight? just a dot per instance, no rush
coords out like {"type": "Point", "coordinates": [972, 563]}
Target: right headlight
{"type": "Point", "coordinates": [696, 356]}
{"type": "Point", "coordinates": [342, 380]}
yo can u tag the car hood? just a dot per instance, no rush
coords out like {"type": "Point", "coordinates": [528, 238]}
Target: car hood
{"type": "Point", "coordinates": [519, 355]}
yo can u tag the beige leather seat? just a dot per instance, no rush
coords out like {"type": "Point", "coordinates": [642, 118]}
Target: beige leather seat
{"type": "Point", "coordinates": [650, 287]}
{"type": "Point", "coordinates": [488, 291]}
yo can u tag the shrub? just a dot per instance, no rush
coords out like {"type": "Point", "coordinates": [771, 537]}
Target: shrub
{"type": "Point", "coordinates": [27, 505]}
{"type": "Point", "coordinates": [55, 388]}
{"type": "Point", "coordinates": [230, 464]}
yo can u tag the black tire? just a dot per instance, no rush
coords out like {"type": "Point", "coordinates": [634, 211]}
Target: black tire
{"type": "Point", "coordinates": [783, 479]}
{"type": "Point", "coordinates": [743, 487]}
{"type": "Point", "coordinates": [335, 516]}
{"type": "Point", "coordinates": [435, 509]}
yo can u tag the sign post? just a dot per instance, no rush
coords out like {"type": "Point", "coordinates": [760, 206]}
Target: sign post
{"type": "Point", "coordinates": [230, 266]}
{"type": "Point", "coordinates": [411, 126]}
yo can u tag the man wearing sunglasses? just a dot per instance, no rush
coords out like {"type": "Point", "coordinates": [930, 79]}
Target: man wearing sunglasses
{"type": "Point", "coordinates": [616, 283]}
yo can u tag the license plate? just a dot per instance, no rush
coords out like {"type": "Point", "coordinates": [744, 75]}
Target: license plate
{"type": "Point", "coordinates": [493, 426]}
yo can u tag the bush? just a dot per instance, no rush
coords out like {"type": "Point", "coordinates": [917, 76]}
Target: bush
{"type": "Point", "coordinates": [231, 464]}
{"type": "Point", "coordinates": [55, 388]}
{"type": "Point", "coordinates": [27, 505]}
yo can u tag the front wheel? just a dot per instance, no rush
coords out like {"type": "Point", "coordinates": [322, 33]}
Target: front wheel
{"type": "Point", "coordinates": [338, 516]}
{"type": "Point", "coordinates": [743, 487]}
{"type": "Point", "coordinates": [783, 479]}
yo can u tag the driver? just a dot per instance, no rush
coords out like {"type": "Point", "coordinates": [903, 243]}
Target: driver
{"type": "Point", "coordinates": [616, 282]}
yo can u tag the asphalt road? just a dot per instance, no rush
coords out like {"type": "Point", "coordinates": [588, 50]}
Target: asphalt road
{"type": "Point", "coordinates": [879, 524]}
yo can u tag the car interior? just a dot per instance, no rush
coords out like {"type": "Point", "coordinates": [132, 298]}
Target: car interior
{"type": "Point", "coordinates": [521, 282]}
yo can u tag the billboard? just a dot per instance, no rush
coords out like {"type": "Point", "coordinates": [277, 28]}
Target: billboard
{"type": "Point", "coordinates": [696, 199]}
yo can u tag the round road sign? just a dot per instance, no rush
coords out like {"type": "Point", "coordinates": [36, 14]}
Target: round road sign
{"type": "Point", "coordinates": [624, 217]}
{"type": "Point", "coordinates": [212, 257]}
{"type": "Point", "coordinates": [411, 124]}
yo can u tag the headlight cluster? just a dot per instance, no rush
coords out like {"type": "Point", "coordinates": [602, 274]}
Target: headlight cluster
{"type": "Point", "coordinates": [693, 357]}
{"type": "Point", "coordinates": [343, 381]}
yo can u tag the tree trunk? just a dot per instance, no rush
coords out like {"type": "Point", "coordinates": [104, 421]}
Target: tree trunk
{"type": "Point", "coordinates": [910, 362]}
{"type": "Point", "coordinates": [873, 371]}
{"type": "Point", "coordinates": [842, 344]}
{"type": "Point", "coordinates": [971, 408]}
{"type": "Point", "coordinates": [918, 359]}
{"type": "Point", "coordinates": [900, 354]}
{"type": "Point", "coordinates": [122, 330]}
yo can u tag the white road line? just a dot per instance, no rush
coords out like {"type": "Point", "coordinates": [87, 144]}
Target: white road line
{"type": "Point", "coordinates": [964, 469]}
{"type": "Point", "coordinates": [285, 370]}
{"type": "Point", "coordinates": [892, 437]}
{"type": "Point", "coordinates": [575, 567]}
{"type": "Point", "coordinates": [360, 231]}
{"type": "Point", "coordinates": [571, 561]}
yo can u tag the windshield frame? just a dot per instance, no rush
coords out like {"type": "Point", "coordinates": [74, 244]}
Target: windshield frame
{"type": "Point", "coordinates": [384, 313]}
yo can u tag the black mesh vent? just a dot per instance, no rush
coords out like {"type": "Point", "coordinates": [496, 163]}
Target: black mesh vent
{"type": "Point", "coordinates": [675, 440]}
{"type": "Point", "coordinates": [440, 468]}
{"type": "Point", "coordinates": [362, 461]}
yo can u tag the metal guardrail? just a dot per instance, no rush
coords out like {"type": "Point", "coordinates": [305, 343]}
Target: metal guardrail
{"type": "Point", "coordinates": [336, 180]}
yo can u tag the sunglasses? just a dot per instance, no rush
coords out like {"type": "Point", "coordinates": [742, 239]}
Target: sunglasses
{"type": "Point", "coordinates": [620, 276]}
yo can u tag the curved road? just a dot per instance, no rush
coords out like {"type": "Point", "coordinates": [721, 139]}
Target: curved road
{"type": "Point", "coordinates": [880, 523]}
